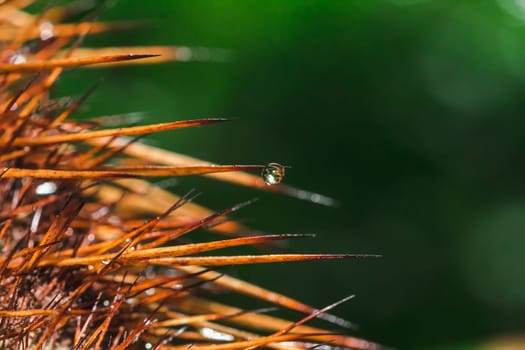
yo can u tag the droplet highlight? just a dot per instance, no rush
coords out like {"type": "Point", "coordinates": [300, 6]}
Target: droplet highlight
{"type": "Point", "coordinates": [215, 335]}
{"type": "Point", "coordinates": [17, 58]}
{"type": "Point", "coordinates": [46, 188]}
{"type": "Point", "coordinates": [273, 174]}
{"type": "Point", "coordinates": [46, 31]}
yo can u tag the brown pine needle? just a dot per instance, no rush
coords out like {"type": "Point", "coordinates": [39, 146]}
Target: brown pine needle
{"type": "Point", "coordinates": [135, 130]}
{"type": "Point", "coordinates": [68, 62]}
{"type": "Point", "coordinates": [38, 312]}
{"type": "Point", "coordinates": [26, 313]}
{"type": "Point", "coordinates": [250, 259]}
{"type": "Point", "coordinates": [204, 260]}
{"type": "Point", "coordinates": [121, 172]}
{"type": "Point", "coordinates": [248, 343]}
{"type": "Point", "coordinates": [163, 53]}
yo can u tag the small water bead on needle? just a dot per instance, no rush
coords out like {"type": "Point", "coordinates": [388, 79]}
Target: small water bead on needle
{"type": "Point", "coordinates": [17, 58]}
{"type": "Point", "coordinates": [215, 335]}
{"type": "Point", "coordinates": [46, 188]}
{"type": "Point", "coordinates": [273, 174]}
{"type": "Point", "coordinates": [46, 31]}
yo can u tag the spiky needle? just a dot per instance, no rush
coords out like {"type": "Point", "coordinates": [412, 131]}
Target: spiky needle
{"type": "Point", "coordinates": [78, 269]}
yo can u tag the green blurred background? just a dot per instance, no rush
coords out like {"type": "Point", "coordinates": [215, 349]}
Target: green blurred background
{"type": "Point", "coordinates": [409, 112]}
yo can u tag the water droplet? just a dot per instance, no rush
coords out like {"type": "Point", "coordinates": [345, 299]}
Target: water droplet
{"type": "Point", "coordinates": [46, 188]}
{"type": "Point", "coordinates": [105, 303]}
{"type": "Point", "coordinates": [90, 267]}
{"type": "Point", "coordinates": [273, 173]}
{"type": "Point", "coordinates": [150, 291]}
{"type": "Point", "coordinates": [114, 220]}
{"type": "Point", "coordinates": [215, 335]}
{"type": "Point", "coordinates": [17, 58]}
{"type": "Point", "coordinates": [100, 213]}
{"type": "Point", "coordinates": [105, 262]}
{"type": "Point", "coordinates": [46, 31]}
{"type": "Point", "coordinates": [148, 346]}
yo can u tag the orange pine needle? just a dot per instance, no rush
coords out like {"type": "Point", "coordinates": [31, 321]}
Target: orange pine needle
{"type": "Point", "coordinates": [249, 259]}
{"type": "Point", "coordinates": [17, 173]}
{"type": "Point", "coordinates": [68, 62]}
{"type": "Point", "coordinates": [136, 130]}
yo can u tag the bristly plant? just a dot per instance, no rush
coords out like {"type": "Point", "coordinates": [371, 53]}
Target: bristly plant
{"type": "Point", "coordinates": [79, 266]}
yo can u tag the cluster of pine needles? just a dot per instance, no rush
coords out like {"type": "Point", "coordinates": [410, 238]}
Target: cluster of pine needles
{"type": "Point", "coordinates": [93, 256]}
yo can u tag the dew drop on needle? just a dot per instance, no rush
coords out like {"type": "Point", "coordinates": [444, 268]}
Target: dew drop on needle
{"type": "Point", "coordinates": [273, 174]}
